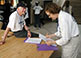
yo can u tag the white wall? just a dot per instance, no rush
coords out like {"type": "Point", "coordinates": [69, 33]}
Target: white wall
{"type": "Point", "coordinates": [33, 2]}
{"type": "Point", "coordinates": [59, 2]}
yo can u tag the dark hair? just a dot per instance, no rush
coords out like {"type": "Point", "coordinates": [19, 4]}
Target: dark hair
{"type": "Point", "coordinates": [52, 8]}
{"type": "Point", "coordinates": [67, 3]}
{"type": "Point", "coordinates": [21, 5]}
{"type": "Point", "coordinates": [36, 4]}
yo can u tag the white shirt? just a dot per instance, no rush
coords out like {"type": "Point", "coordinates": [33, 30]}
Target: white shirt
{"type": "Point", "coordinates": [16, 22]}
{"type": "Point", "coordinates": [37, 9]}
{"type": "Point", "coordinates": [67, 28]}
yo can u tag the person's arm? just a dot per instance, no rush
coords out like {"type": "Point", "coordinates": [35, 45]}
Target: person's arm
{"type": "Point", "coordinates": [50, 42]}
{"type": "Point", "coordinates": [5, 35]}
{"type": "Point", "coordinates": [28, 30]}
{"type": "Point", "coordinates": [50, 36]}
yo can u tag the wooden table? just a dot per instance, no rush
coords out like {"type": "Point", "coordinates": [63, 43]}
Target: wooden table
{"type": "Point", "coordinates": [16, 48]}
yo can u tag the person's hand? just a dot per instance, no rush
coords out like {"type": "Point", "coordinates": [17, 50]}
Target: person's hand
{"type": "Point", "coordinates": [2, 42]}
{"type": "Point", "coordinates": [50, 42]}
{"type": "Point", "coordinates": [29, 34]}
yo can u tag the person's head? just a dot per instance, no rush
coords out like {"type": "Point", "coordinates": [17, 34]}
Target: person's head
{"type": "Point", "coordinates": [21, 8]}
{"type": "Point", "coordinates": [36, 3]}
{"type": "Point", "coordinates": [67, 2]}
{"type": "Point", "coordinates": [52, 10]}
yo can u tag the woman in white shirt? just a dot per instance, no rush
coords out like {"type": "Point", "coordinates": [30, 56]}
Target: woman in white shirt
{"type": "Point", "coordinates": [67, 31]}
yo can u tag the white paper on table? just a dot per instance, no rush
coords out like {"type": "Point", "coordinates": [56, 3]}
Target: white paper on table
{"type": "Point", "coordinates": [46, 39]}
{"type": "Point", "coordinates": [33, 40]}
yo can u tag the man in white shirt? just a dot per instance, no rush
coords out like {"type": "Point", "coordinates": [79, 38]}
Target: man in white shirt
{"type": "Point", "coordinates": [17, 24]}
{"type": "Point", "coordinates": [67, 31]}
{"type": "Point", "coordinates": [37, 10]}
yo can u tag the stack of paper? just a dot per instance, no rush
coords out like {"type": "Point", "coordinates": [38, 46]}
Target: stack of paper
{"type": "Point", "coordinates": [33, 40]}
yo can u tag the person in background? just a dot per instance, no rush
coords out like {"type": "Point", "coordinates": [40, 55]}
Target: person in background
{"type": "Point", "coordinates": [17, 24]}
{"type": "Point", "coordinates": [37, 10]}
{"type": "Point", "coordinates": [6, 14]}
{"type": "Point", "coordinates": [68, 31]}
{"type": "Point", "coordinates": [67, 7]}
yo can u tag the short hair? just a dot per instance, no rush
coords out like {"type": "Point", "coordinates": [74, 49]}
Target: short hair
{"type": "Point", "coordinates": [52, 8]}
{"type": "Point", "coordinates": [21, 5]}
{"type": "Point", "coordinates": [67, 3]}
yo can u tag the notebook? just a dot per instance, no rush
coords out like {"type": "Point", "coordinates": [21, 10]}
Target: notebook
{"type": "Point", "coordinates": [45, 47]}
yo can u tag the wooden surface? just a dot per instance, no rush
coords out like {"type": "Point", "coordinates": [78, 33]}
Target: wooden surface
{"type": "Point", "coordinates": [16, 48]}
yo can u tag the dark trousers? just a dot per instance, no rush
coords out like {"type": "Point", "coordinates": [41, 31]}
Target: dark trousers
{"type": "Point", "coordinates": [23, 33]}
{"type": "Point", "coordinates": [37, 21]}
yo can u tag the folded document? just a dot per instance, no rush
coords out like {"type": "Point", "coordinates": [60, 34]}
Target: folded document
{"type": "Point", "coordinates": [46, 39]}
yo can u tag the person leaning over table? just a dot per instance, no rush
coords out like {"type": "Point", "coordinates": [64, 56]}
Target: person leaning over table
{"type": "Point", "coordinates": [68, 31]}
{"type": "Point", "coordinates": [17, 24]}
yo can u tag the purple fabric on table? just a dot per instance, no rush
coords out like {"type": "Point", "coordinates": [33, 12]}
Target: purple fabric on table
{"type": "Point", "coordinates": [45, 47]}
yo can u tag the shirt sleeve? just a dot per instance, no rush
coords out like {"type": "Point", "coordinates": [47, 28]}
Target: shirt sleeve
{"type": "Point", "coordinates": [12, 21]}
{"type": "Point", "coordinates": [40, 8]}
{"type": "Point", "coordinates": [65, 32]}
